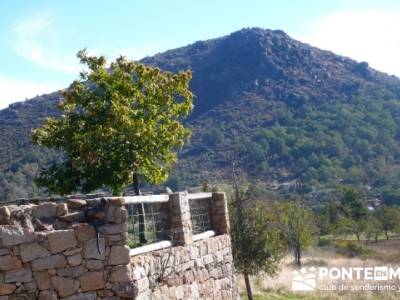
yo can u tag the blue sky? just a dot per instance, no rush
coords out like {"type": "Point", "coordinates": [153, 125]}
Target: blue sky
{"type": "Point", "coordinates": [39, 39]}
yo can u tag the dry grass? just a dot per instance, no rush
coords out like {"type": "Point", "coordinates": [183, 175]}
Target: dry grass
{"type": "Point", "coordinates": [384, 253]}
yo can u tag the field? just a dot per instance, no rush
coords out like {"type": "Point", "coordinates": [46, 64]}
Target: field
{"type": "Point", "coordinates": [338, 254]}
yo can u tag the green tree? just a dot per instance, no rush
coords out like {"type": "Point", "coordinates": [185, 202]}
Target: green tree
{"type": "Point", "coordinates": [373, 227]}
{"type": "Point", "coordinates": [354, 210]}
{"type": "Point", "coordinates": [117, 123]}
{"type": "Point", "coordinates": [257, 242]}
{"type": "Point", "coordinates": [258, 245]}
{"type": "Point", "coordinates": [213, 137]}
{"type": "Point", "coordinates": [327, 218]}
{"type": "Point", "coordinates": [297, 225]}
{"type": "Point", "coordinates": [389, 218]}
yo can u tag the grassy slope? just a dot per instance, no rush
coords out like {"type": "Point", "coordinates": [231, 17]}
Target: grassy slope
{"type": "Point", "coordinates": [376, 254]}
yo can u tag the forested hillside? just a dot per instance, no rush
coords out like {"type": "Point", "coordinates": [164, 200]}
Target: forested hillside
{"type": "Point", "coordinates": [291, 112]}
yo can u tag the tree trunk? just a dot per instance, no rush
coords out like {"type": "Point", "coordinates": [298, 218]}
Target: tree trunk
{"type": "Point", "coordinates": [297, 255]}
{"type": "Point", "coordinates": [358, 236]}
{"type": "Point", "coordinates": [142, 217]}
{"type": "Point", "coordinates": [248, 286]}
{"type": "Point", "coordinates": [387, 235]}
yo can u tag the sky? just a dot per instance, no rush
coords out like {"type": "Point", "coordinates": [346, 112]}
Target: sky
{"type": "Point", "coordinates": [39, 39]}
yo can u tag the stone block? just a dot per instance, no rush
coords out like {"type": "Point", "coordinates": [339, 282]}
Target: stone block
{"type": "Point", "coordinates": [61, 240]}
{"type": "Point", "coordinates": [64, 286]}
{"type": "Point", "coordinates": [74, 260]}
{"type": "Point", "coordinates": [115, 214]}
{"type": "Point", "coordinates": [51, 262]}
{"type": "Point", "coordinates": [94, 264]}
{"type": "Point", "coordinates": [8, 262]}
{"type": "Point", "coordinates": [4, 215]}
{"type": "Point", "coordinates": [12, 235]}
{"type": "Point", "coordinates": [121, 274]}
{"type": "Point", "coordinates": [116, 239]}
{"type": "Point", "coordinates": [45, 211]}
{"type": "Point", "coordinates": [76, 203]}
{"type": "Point", "coordinates": [47, 295]}
{"type": "Point", "coordinates": [71, 272]}
{"type": "Point", "coordinates": [77, 216]}
{"type": "Point", "coordinates": [92, 281]}
{"type": "Point", "coordinates": [94, 248]}
{"type": "Point", "coordinates": [62, 209]}
{"type": "Point", "coordinates": [22, 275]}
{"type": "Point", "coordinates": [84, 231]}
{"type": "Point", "coordinates": [219, 213]}
{"type": "Point", "coordinates": [42, 280]}
{"type": "Point", "coordinates": [119, 255]}
{"type": "Point", "coordinates": [181, 225]}
{"type": "Point", "coordinates": [7, 288]}
{"type": "Point", "coordinates": [33, 251]}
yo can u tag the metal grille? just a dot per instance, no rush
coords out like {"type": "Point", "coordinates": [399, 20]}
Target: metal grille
{"type": "Point", "coordinates": [146, 224]}
{"type": "Point", "coordinates": [200, 215]}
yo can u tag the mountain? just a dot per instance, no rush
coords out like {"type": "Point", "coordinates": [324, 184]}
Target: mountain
{"type": "Point", "coordinates": [295, 115]}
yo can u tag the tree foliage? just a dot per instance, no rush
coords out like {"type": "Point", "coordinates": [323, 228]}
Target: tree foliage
{"type": "Point", "coordinates": [389, 218]}
{"type": "Point", "coordinates": [373, 227]}
{"type": "Point", "coordinates": [116, 121]}
{"type": "Point", "coordinates": [258, 244]}
{"type": "Point", "coordinates": [297, 225]}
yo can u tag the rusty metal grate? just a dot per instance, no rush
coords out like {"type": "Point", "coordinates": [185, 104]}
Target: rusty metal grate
{"type": "Point", "coordinates": [200, 215]}
{"type": "Point", "coordinates": [146, 224]}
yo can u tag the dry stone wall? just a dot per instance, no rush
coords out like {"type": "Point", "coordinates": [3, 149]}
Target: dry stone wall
{"type": "Point", "coordinates": [202, 270]}
{"type": "Point", "coordinates": [72, 250]}
{"type": "Point", "coordinates": [77, 251]}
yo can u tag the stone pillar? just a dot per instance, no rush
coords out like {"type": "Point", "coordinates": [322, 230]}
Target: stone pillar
{"type": "Point", "coordinates": [180, 222]}
{"type": "Point", "coordinates": [219, 213]}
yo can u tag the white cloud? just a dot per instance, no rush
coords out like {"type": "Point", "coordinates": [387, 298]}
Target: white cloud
{"type": "Point", "coordinates": [32, 39]}
{"type": "Point", "coordinates": [18, 90]}
{"type": "Point", "coordinates": [36, 40]}
{"type": "Point", "coordinates": [371, 36]}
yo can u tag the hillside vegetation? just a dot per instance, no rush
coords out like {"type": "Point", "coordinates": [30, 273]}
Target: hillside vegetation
{"type": "Point", "coordinates": [292, 113]}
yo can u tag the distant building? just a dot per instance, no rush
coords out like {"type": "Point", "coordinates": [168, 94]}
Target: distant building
{"type": "Point", "coordinates": [373, 203]}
